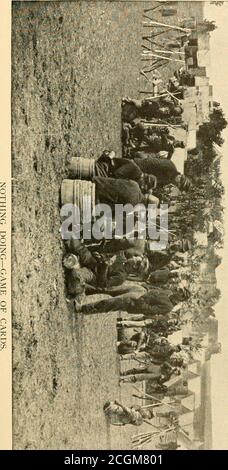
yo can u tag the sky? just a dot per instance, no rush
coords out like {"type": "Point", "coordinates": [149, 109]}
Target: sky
{"type": "Point", "coordinates": [219, 362]}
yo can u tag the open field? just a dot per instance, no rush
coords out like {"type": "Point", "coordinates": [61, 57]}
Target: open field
{"type": "Point", "coordinates": [71, 66]}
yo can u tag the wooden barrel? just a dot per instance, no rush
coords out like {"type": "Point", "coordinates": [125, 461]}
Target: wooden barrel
{"type": "Point", "coordinates": [82, 168]}
{"type": "Point", "coordinates": [74, 192]}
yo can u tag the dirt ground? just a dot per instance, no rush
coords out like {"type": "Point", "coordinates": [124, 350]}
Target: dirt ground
{"type": "Point", "coordinates": [72, 62]}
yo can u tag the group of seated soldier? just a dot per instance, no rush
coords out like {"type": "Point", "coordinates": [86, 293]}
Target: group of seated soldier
{"type": "Point", "coordinates": [125, 275]}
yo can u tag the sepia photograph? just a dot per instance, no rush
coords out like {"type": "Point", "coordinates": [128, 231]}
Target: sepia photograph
{"type": "Point", "coordinates": [119, 255]}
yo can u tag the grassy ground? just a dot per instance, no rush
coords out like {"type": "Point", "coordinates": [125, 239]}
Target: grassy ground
{"type": "Point", "coordinates": [71, 63]}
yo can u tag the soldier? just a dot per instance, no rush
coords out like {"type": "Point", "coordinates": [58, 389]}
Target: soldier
{"type": "Point", "coordinates": [120, 415]}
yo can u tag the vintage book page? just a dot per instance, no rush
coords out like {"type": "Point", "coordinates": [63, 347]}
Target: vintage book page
{"type": "Point", "coordinates": [113, 225]}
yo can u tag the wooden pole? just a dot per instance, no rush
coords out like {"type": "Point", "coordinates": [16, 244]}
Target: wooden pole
{"type": "Point", "coordinates": [148, 17]}
{"type": "Point", "coordinates": [153, 67]}
{"type": "Point", "coordinates": [142, 434]}
{"type": "Point", "coordinates": [144, 74]}
{"type": "Point", "coordinates": [145, 58]}
{"type": "Point", "coordinates": [169, 52]}
{"type": "Point", "coordinates": [173, 96]}
{"type": "Point", "coordinates": [151, 54]}
{"type": "Point", "coordinates": [165, 62]}
{"type": "Point", "coordinates": [156, 64]}
{"type": "Point", "coordinates": [141, 397]}
{"type": "Point", "coordinates": [152, 9]}
{"type": "Point", "coordinates": [148, 422]}
{"type": "Point", "coordinates": [154, 405]}
{"type": "Point", "coordinates": [153, 124]}
{"type": "Point", "coordinates": [153, 398]}
{"type": "Point", "coordinates": [153, 35]}
{"type": "Point", "coordinates": [175, 27]}
{"type": "Point", "coordinates": [173, 126]}
{"type": "Point", "coordinates": [145, 47]}
{"type": "Point", "coordinates": [163, 95]}
{"type": "Point", "coordinates": [146, 93]}
{"type": "Point", "coordinates": [159, 44]}
{"type": "Point", "coordinates": [149, 438]}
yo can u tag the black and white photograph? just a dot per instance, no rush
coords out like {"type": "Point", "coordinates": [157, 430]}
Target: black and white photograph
{"type": "Point", "coordinates": [119, 113]}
